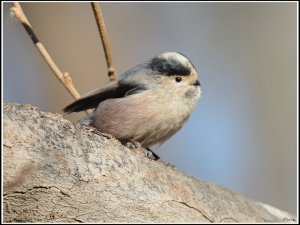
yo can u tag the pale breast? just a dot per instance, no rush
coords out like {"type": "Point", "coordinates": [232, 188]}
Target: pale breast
{"type": "Point", "coordinates": [141, 117]}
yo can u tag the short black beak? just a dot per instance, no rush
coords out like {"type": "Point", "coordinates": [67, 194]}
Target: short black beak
{"type": "Point", "coordinates": [197, 83]}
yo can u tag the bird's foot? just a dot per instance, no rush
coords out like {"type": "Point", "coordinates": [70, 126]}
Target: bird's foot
{"type": "Point", "coordinates": [137, 148]}
{"type": "Point", "coordinates": [170, 165]}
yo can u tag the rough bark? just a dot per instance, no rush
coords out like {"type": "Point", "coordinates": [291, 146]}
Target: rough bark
{"type": "Point", "coordinates": [58, 171]}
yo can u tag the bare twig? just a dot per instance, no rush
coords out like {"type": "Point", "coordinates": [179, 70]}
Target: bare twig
{"type": "Point", "coordinates": [104, 38]}
{"type": "Point", "coordinates": [64, 78]}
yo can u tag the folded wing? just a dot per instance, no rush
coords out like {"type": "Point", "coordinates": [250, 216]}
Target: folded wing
{"type": "Point", "coordinates": [112, 90]}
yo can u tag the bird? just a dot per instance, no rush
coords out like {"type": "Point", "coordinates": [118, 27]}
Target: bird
{"type": "Point", "coordinates": [148, 104]}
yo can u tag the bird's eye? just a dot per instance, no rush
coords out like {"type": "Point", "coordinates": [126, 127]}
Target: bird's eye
{"type": "Point", "coordinates": [178, 79]}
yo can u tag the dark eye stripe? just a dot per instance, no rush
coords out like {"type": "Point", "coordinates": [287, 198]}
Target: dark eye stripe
{"type": "Point", "coordinates": [169, 67]}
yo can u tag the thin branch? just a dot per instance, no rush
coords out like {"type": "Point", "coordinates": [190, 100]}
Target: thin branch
{"type": "Point", "coordinates": [104, 38]}
{"type": "Point", "coordinates": [64, 78]}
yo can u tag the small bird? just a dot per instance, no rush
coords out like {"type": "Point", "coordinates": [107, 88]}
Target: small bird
{"type": "Point", "coordinates": [148, 104]}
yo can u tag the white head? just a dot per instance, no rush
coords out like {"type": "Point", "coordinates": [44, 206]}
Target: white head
{"type": "Point", "coordinates": [177, 74]}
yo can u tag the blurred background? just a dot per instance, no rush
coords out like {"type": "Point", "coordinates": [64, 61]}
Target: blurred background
{"type": "Point", "coordinates": [243, 133]}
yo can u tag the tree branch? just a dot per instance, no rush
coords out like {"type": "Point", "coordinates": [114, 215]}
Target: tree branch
{"type": "Point", "coordinates": [64, 78]}
{"type": "Point", "coordinates": [104, 39]}
{"type": "Point", "coordinates": [73, 173]}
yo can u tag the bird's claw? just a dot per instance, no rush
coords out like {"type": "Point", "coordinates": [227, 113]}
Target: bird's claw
{"type": "Point", "coordinates": [137, 148]}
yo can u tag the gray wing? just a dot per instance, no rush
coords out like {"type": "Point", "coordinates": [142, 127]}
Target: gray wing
{"type": "Point", "coordinates": [132, 82]}
{"type": "Point", "coordinates": [93, 98]}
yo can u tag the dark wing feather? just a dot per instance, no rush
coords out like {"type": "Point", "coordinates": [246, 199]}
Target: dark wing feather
{"type": "Point", "coordinates": [94, 98]}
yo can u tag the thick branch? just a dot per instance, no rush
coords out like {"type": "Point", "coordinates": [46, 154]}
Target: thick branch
{"type": "Point", "coordinates": [55, 171]}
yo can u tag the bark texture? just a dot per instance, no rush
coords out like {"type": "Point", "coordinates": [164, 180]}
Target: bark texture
{"type": "Point", "coordinates": [58, 171]}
